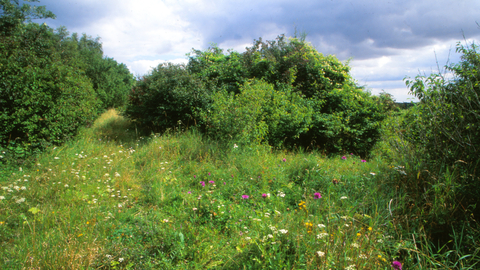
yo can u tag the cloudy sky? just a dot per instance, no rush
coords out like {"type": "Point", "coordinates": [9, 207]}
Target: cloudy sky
{"type": "Point", "coordinates": [386, 40]}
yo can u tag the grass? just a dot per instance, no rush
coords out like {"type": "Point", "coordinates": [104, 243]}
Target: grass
{"type": "Point", "coordinates": [112, 199]}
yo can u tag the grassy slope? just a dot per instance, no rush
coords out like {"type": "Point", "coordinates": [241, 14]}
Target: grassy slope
{"type": "Point", "coordinates": [112, 200]}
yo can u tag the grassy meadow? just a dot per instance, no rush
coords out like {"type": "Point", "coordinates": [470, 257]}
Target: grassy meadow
{"type": "Point", "coordinates": [112, 199]}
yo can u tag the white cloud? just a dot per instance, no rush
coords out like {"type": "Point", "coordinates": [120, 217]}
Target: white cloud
{"type": "Point", "coordinates": [142, 67]}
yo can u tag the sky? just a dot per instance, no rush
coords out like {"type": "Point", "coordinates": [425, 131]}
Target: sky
{"type": "Point", "coordinates": [384, 41]}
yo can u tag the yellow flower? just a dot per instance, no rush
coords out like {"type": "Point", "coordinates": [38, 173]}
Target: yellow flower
{"type": "Point", "coordinates": [359, 234]}
{"type": "Point", "coordinates": [80, 235]}
{"type": "Point", "coordinates": [370, 228]}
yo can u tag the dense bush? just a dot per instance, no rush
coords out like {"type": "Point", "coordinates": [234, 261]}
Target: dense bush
{"type": "Point", "coordinates": [258, 113]}
{"type": "Point", "coordinates": [50, 83]}
{"type": "Point", "coordinates": [167, 97]}
{"type": "Point", "coordinates": [435, 148]}
{"type": "Point", "coordinates": [43, 100]}
{"type": "Point", "coordinates": [282, 92]}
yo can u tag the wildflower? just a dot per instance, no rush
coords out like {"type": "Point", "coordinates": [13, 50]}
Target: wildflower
{"type": "Point", "coordinates": [322, 235]}
{"type": "Point", "coordinates": [203, 183]}
{"type": "Point", "coordinates": [370, 228]}
{"type": "Point", "coordinates": [208, 174]}
{"type": "Point", "coordinates": [309, 226]}
{"type": "Point", "coordinates": [264, 195]}
{"type": "Point", "coordinates": [351, 267]}
{"type": "Point", "coordinates": [321, 226]}
{"type": "Point", "coordinates": [66, 185]}
{"type": "Point", "coordinates": [117, 174]}
{"type": "Point", "coordinates": [195, 209]}
{"type": "Point", "coordinates": [194, 176]}
{"type": "Point", "coordinates": [247, 238]}
{"type": "Point", "coordinates": [211, 182]}
{"type": "Point", "coordinates": [2, 198]}
{"type": "Point", "coordinates": [245, 196]}
{"type": "Point", "coordinates": [235, 145]}
{"type": "Point", "coordinates": [372, 173]}
{"type": "Point", "coordinates": [362, 256]}
{"type": "Point", "coordinates": [281, 194]}
{"type": "Point", "coordinates": [343, 197]}
{"type": "Point", "coordinates": [21, 200]}
{"type": "Point", "coordinates": [56, 158]}
{"type": "Point", "coordinates": [397, 265]}
{"type": "Point", "coordinates": [284, 160]}
{"type": "Point", "coordinates": [363, 160]}
{"type": "Point", "coordinates": [359, 234]}
{"type": "Point", "coordinates": [120, 259]}
{"type": "Point", "coordinates": [344, 157]}
{"type": "Point", "coordinates": [283, 231]}
{"type": "Point", "coordinates": [320, 254]}
{"type": "Point", "coordinates": [317, 195]}
{"type": "Point", "coordinates": [189, 192]}
{"type": "Point", "coordinates": [355, 245]}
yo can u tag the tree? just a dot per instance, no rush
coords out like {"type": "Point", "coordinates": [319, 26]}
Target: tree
{"type": "Point", "coordinates": [13, 14]}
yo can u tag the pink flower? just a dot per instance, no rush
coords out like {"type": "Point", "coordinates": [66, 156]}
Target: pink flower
{"type": "Point", "coordinates": [211, 182]}
{"type": "Point", "coordinates": [203, 183]}
{"type": "Point", "coordinates": [194, 176]}
{"type": "Point", "coordinates": [317, 195]}
{"type": "Point", "coordinates": [284, 160]}
{"type": "Point", "coordinates": [397, 265]}
{"type": "Point", "coordinates": [264, 195]}
{"type": "Point", "coordinates": [363, 160]}
{"type": "Point", "coordinates": [208, 174]}
{"type": "Point", "coordinates": [189, 192]}
{"type": "Point", "coordinates": [344, 157]}
{"type": "Point", "coordinates": [245, 196]}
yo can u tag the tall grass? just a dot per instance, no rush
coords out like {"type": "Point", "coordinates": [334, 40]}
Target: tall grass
{"type": "Point", "coordinates": [113, 199]}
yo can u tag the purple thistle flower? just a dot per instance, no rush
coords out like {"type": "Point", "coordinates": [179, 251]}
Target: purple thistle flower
{"type": "Point", "coordinates": [208, 174]}
{"type": "Point", "coordinates": [245, 196]}
{"type": "Point", "coordinates": [194, 176]}
{"type": "Point", "coordinates": [264, 195]}
{"type": "Point", "coordinates": [203, 183]}
{"type": "Point", "coordinates": [363, 160]}
{"type": "Point", "coordinates": [284, 160]}
{"type": "Point", "coordinates": [344, 157]}
{"type": "Point", "coordinates": [189, 192]}
{"type": "Point", "coordinates": [397, 265]}
{"type": "Point", "coordinates": [211, 182]}
{"type": "Point", "coordinates": [317, 195]}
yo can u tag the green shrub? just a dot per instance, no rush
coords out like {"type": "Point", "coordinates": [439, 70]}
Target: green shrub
{"type": "Point", "coordinates": [166, 98]}
{"type": "Point", "coordinates": [435, 148]}
{"type": "Point", "coordinates": [43, 100]}
{"type": "Point", "coordinates": [281, 92]}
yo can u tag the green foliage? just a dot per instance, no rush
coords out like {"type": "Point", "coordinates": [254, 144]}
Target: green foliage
{"type": "Point", "coordinates": [111, 81]}
{"type": "Point", "coordinates": [433, 147]}
{"type": "Point", "coordinates": [167, 98]}
{"type": "Point", "coordinates": [50, 83]}
{"type": "Point", "coordinates": [13, 14]}
{"type": "Point", "coordinates": [347, 120]}
{"type": "Point", "coordinates": [259, 113]}
{"type": "Point", "coordinates": [43, 100]}
{"type": "Point", "coordinates": [281, 92]}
